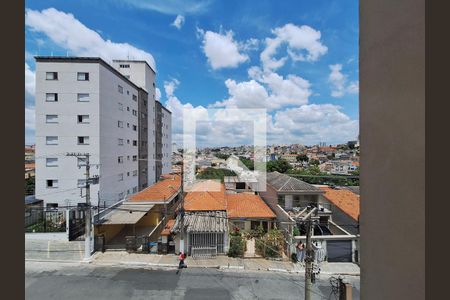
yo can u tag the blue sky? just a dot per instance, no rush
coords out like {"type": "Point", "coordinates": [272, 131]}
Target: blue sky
{"type": "Point", "coordinates": [298, 59]}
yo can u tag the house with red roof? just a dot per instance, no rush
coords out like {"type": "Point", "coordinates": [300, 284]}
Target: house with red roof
{"type": "Point", "coordinates": [210, 214]}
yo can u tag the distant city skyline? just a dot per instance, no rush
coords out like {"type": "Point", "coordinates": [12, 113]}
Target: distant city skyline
{"type": "Point", "coordinates": [297, 59]}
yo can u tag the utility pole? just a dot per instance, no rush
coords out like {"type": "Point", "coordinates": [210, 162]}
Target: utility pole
{"type": "Point", "coordinates": [182, 207]}
{"type": "Point", "coordinates": [88, 215]}
{"type": "Point", "coordinates": [309, 254]}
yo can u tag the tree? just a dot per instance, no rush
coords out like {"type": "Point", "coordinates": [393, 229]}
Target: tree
{"type": "Point", "coordinates": [29, 186]}
{"type": "Point", "coordinates": [280, 165]}
{"type": "Point", "coordinates": [247, 162]}
{"type": "Point", "coordinates": [302, 157]}
{"type": "Point", "coordinates": [314, 162]}
{"type": "Point", "coordinates": [212, 173]}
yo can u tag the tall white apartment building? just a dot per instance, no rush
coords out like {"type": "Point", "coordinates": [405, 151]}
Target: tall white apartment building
{"type": "Point", "coordinates": [86, 105]}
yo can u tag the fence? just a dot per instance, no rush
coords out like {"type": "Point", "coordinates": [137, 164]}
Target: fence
{"type": "Point", "coordinates": [42, 220]}
{"type": "Point", "coordinates": [206, 244]}
{"type": "Point", "coordinates": [336, 248]}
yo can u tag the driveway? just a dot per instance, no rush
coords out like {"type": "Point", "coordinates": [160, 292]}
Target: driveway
{"type": "Point", "coordinates": [52, 246]}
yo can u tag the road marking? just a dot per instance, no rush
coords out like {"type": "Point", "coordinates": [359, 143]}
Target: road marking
{"type": "Point", "coordinates": [48, 249]}
{"type": "Point", "coordinates": [79, 248]}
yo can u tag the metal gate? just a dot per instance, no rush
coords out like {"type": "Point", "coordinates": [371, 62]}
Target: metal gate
{"type": "Point", "coordinates": [77, 224]}
{"type": "Point", "coordinates": [206, 244]}
{"type": "Point", "coordinates": [339, 251]}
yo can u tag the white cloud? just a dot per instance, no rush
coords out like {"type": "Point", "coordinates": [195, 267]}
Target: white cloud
{"type": "Point", "coordinates": [266, 90]}
{"type": "Point", "coordinates": [303, 44]}
{"type": "Point", "coordinates": [69, 33]}
{"type": "Point", "coordinates": [221, 50]}
{"type": "Point", "coordinates": [339, 84]}
{"type": "Point", "coordinates": [173, 7]}
{"type": "Point", "coordinates": [170, 86]}
{"type": "Point", "coordinates": [312, 123]}
{"type": "Point", "coordinates": [157, 94]}
{"type": "Point", "coordinates": [178, 22]}
{"type": "Point", "coordinates": [30, 80]}
{"type": "Point", "coordinates": [30, 118]}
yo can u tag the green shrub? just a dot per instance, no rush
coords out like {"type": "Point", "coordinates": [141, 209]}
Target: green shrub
{"type": "Point", "coordinates": [237, 246]}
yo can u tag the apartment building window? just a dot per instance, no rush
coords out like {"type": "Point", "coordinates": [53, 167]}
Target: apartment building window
{"type": "Point", "coordinates": [51, 76]}
{"type": "Point", "coordinates": [128, 142]}
{"type": "Point", "coordinates": [51, 119]}
{"type": "Point", "coordinates": [134, 143]}
{"type": "Point", "coordinates": [51, 97]}
{"type": "Point", "coordinates": [128, 92]}
{"type": "Point", "coordinates": [128, 108]}
{"type": "Point", "coordinates": [83, 97]}
{"type": "Point", "coordinates": [134, 112]}
{"type": "Point", "coordinates": [120, 124]}
{"type": "Point", "coordinates": [128, 174]}
{"type": "Point", "coordinates": [120, 177]}
{"type": "Point", "coordinates": [128, 157]}
{"type": "Point", "coordinates": [83, 119]}
{"type": "Point", "coordinates": [120, 89]}
{"type": "Point", "coordinates": [51, 140]}
{"type": "Point", "coordinates": [134, 127]}
{"type": "Point", "coordinates": [124, 66]}
{"type": "Point", "coordinates": [51, 162]}
{"type": "Point", "coordinates": [134, 157]}
{"type": "Point", "coordinates": [128, 125]}
{"type": "Point", "coordinates": [120, 142]}
{"type": "Point", "coordinates": [135, 173]}
{"type": "Point", "coordinates": [129, 192]}
{"type": "Point", "coordinates": [134, 97]}
{"type": "Point", "coordinates": [81, 183]}
{"type": "Point", "coordinates": [120, 159]}
{"type": "Point", "coordinates": [52, 183]}
{"type": "Point", "coordinates": [120, 106]}
{"type": "Point", "coordinates": [81, 162]}
{"type": "Point", "coordinates": [83, 140]}
{"type": "Point", "coordinates": [83, 76]}
{"type": "Point", "coordinates": [135, 189]}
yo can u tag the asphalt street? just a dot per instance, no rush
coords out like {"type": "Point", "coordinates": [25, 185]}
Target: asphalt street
{"type": "Point", "coordinates": [85, 281]}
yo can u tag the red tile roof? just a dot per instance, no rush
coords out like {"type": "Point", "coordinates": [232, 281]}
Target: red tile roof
{"type": "Point", "coordinates": [168, 227]}
{"type": "Point", "coordinates": [345, 200]}
{"type": "Point", "coordinates": [239, 205]}
{"type": "Point", "coordinates": [161, 190]}
{"type": "Point", "coordinates": [30, 166]}
{"type": "Point", "coordinates": [247, 206]}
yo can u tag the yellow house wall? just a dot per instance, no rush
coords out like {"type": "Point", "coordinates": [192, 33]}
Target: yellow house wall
{"type": "Point", "coordinates": [151, 219]}
{"type": "Point", "coordinates": [110, 231]}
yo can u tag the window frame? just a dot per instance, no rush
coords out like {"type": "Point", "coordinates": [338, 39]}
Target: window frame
{"type": "Point", "coordinates": [54, 122]}
{"type": "Point", "coordinates": [51, 79]}
{"type": "Point", "coordinates": [86, 77]}
{"type": "Point", "coordinates": [52, 136]}
{"type": "Point", "coordinates": [55, 97]}
{"type": "Point", "coordinates": [55, 159]}
{"type": "Point", "coordinates": [84, 140]}
{"type": "Point", "coordinates": [83, 101]}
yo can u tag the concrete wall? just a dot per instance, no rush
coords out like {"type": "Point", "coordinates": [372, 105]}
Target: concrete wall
{"type": "Point", "coordinates": [392, 122]}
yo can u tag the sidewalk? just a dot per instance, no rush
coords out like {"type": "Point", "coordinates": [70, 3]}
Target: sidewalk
{"type": "Point", "coordinates": [220, 262]}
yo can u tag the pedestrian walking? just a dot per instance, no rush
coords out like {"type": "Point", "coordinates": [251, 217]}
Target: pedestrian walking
{"type": "Point", "coordinates": [300, 249]}
{"type": "Point", "coordinates": [181, 265]}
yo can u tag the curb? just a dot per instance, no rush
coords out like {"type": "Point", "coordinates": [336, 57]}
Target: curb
{"type": "Point", "coordinates": [54, 260]}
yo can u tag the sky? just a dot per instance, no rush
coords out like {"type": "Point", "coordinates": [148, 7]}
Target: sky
{"type": "Point", "coordinates": [296, 59]}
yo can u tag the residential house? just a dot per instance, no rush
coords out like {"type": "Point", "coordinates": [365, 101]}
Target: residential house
{"type": "Point", "coordinates": [345, 206]}
{"type": "Point", "coordinates": [141, 214]}
{"type": "Point", "coordinates": [344, 167]}
{"type": "Point", "coordinates": [210, 213]}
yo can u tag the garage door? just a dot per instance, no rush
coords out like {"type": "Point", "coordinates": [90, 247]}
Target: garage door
{"type": "Point", "coordinates": [339, 251]}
